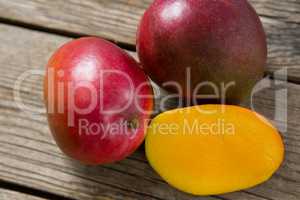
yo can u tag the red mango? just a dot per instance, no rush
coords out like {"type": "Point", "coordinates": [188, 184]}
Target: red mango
{"type": "Point", "coordinates": [98, 100]}
{"type": "Point", "coordinates": [215, 47]}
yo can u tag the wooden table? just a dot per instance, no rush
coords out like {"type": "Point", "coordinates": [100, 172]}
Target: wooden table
{"type": "Point", "coordinates": [31, 165]}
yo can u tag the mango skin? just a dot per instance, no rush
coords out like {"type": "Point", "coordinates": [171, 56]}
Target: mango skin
{"type": "Point", "coordinates": [213, 162]}
{"type": "Point", "coordinates": [82, 61]}
{"type": "Point", "coordinates": [220, 41]}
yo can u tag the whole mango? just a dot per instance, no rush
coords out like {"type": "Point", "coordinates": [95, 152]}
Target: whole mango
{"type": "Point", "coordinates": [98, 100]}
{"type": "Point", "coordinates": [203, 47]}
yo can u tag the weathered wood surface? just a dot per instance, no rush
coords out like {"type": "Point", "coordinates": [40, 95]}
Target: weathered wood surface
{"type": "Point", "coordinates": [13, 195]}
{"type": "Point", "coordinates": [117, 20]}
{"type": "Point", "coordinates": [29, 156]}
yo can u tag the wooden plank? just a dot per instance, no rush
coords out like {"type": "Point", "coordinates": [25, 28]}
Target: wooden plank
{"type": "Point", "coordinates": [117, 20]}
{"type": "Point", "coordinates": [30, 157]}
{"type": "Point", "coordinates": [281, 20]}
{"type": "Point", "coordinates": [13, 195]}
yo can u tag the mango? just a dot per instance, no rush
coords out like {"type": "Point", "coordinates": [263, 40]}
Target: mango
{"type": "Point", "coordinates": [213, 149]}
{"type": "Point", "coordinates": [95, 98]}
{"type": "Point", "coordinates": [205, 47]}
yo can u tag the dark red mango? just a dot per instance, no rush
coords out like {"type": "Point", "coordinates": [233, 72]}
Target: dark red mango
{"type": "Point", "coordinates": [220, 41]}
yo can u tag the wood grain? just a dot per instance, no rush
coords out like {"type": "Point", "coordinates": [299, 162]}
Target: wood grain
{"type": "Point", "coordinates": [30, 157]}
{"type": "Point", "coordinates": [118, 20]}
{"type": "Point", "coordinates": [12, 195]}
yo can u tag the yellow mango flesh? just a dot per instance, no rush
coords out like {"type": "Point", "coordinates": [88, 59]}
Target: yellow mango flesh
{"type": "Point", "coordinates": [213, 149]}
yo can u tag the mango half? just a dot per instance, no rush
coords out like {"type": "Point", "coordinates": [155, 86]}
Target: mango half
{"type": "Point", "coordinates": [213, 149]}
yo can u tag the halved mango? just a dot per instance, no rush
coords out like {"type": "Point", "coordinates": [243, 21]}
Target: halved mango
{"type": "Point", "coordinates": [213, 149]}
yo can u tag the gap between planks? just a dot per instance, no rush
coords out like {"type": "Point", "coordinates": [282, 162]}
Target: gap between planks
{"type": "Point", "coordinates": [12, 191]}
